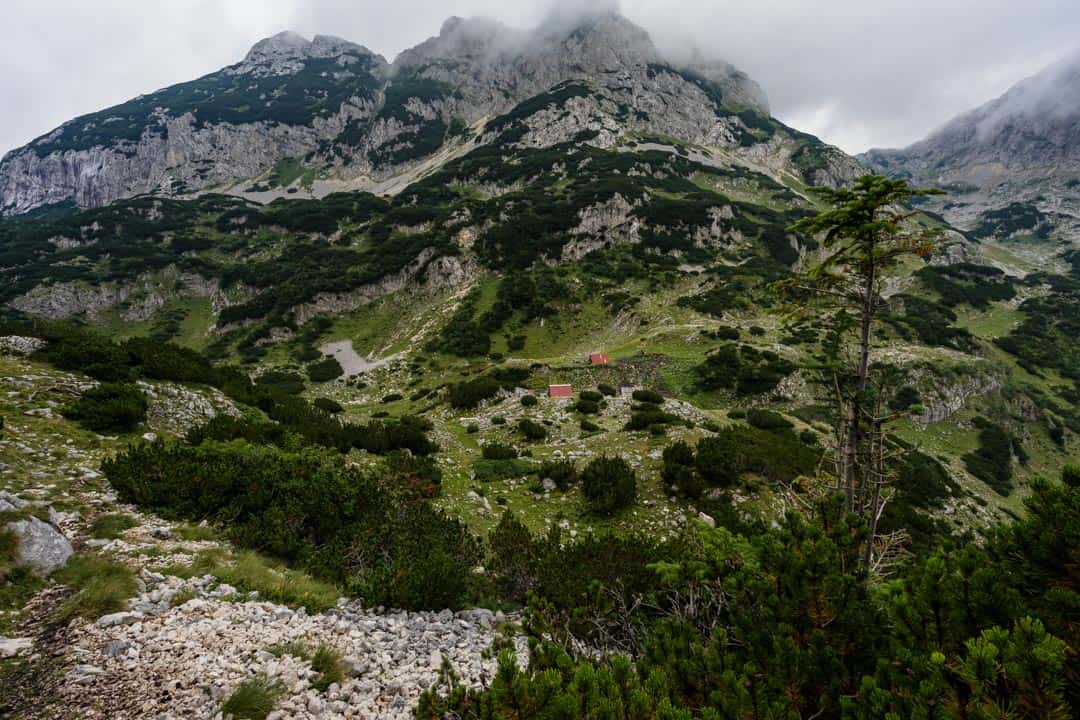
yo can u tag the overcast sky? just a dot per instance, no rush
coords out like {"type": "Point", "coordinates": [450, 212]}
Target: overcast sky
{"type": "Point", "coordinates": [858, 73]}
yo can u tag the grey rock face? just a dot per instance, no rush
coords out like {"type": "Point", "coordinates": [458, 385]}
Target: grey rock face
{"type": "Point", "coordinates": [483, 69]}
{"type": "Point", "coordinates": [1021, 147]}
{"type": "Point", "coordinates": [41, 545]}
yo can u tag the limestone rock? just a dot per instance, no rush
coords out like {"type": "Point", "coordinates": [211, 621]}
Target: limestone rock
{"type": "Point", "coordinates": [41, 545]}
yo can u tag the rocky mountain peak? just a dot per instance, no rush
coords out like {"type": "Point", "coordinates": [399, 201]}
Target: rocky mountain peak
{"type": "Point", "coordinates": [601, 34]}
{"type": "Point", "coordinates": [286, 52]}
{"type": "Point", "coordinates": [1018, 154]}
{"type": "Point", "coordinates": [284, 44]}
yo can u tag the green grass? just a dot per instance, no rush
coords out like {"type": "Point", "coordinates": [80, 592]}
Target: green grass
{"type": "Point", "coordinates": [288, 171]}
{"type": "Point", "coordinates": [328, 663]}
{"type": "Point", "coordinates": [249, 571]}
{"type": "Point", "coordinates": [104, 587]}
{"type": "Point", "coordinates": [112, 526]}
{"type": "Point", "coordinates": [253, 699]}
{"type": "Point", "coordinates": [295, 648]}
{"type": "Point", "coordinates": [195, 533]}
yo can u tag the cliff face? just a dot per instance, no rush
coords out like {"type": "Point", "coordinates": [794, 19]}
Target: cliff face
{"type": "Point", "coordinates": [1012, 166]}
{"type": "Point", "coordinates": [349, 119]}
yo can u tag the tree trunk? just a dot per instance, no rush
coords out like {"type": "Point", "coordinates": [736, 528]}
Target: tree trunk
{"type": "Point", "coordinates": [854, 441]}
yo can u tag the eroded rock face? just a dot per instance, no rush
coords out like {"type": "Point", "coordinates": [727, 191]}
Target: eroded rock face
{"type": "Point", "coordinates": [40, 545]}
{"type": "Point", "coordinates": [373, 117]}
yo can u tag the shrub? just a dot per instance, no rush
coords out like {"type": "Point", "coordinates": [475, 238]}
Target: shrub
{"type": "Point", "coordinates": [327, 405]}
{"type": "Point", "coordinates": [368, 533]}
{"type": "Point", "coordinates": [767, 420]}
{"type": "Point", "coordinates": [252, 699]}
{"type": "Point", "coordinates": [588, 425]}
{"type": "Point", "coordinates": [1070, 475]}
{"type": "Point", "coordinates": [470, 393]}
{"type": "Point", "coordinates": [562, 472]}
{"type": "Point", "coordinates": [726, 332]}
{"type": "Point", "coordinates": [487, 470]}
{"type": "Point", "coordinates": [472, 429]}
{"type": "Point", "coordinates": [648, 396]}
{"type": "Point", "coordinates": [992, 461]}
{"type": "Point", "coordinates": [392, 397]}
{"type": "Point", "coordinates": [592, 395]}
{"type": "Point", "coordinates": [532, 431]}
{"type": "Point", "coordinates": [606, 389]}
{"type": "Point", "coordinates": [289, 383]}
{"type": "Point", "coordinates": [587, 407]}
{"type": "Point", "coordinates": [608, 484]}
{"type": "Point", "coordinates": [499, 451]}
{"type": "Point", "coordinates": [777, 455]}
{"type": "Point", "coordinates": [905, 397]}
{"type": "Point", "coordinates": [324, 370]}
{"type": "Point", "coordinates": [109, 407]}
{"type": "Point", "coordinates": [529, 400]}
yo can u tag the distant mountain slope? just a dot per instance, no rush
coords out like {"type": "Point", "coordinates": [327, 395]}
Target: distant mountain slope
{"type": "Point", "coordinates": [1012, 166]}
{"type": "Point", "coordinates": [312, 117]}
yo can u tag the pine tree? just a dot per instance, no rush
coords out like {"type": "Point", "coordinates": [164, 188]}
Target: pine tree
{"type": "Point", "coordinates": [867, 229]}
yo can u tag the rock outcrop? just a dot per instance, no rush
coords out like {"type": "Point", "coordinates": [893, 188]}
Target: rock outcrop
{"type": "Point", "coordinates": [40, 544]}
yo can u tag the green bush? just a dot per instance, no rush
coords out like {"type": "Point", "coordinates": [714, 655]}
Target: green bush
{"type": "Point", "coordinates": [562, 472]}
{"type": "Point", "coordinates": [592, 395]}
{"type": "Point", "coordinates": [767, 420]}
{"type": "Point", "coordinates": [328, 405]}
{"type": "Point", "coordinates": [470, 393]}
{"type": "Point", "coordinates": [498, 451]}
{"type": "Point", "coordinates": [648, 396]}
{"type": "Point", "coordinates": [529, 401]}
{"type": "Point", "coordinates": [371, 534]}
{"type": "Point", "coordinates": [992, 461]}
{"type": "Point", "coordinates": [589, 426]}
{"type": "Point", "coordinates": [109, 407]}
{"type": "Point", "coordinates": [324, 370]}
{"type": "Point", "coordinates": [607, 390]}
{"type": "Point", "coordinates": [608, 484]}
{"type": "Point", "coordinates": [587, 407]}
{"type": "Point", "coordinates": [532, 431]}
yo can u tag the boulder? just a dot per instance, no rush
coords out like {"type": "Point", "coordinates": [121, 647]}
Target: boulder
{"type": "Point", "coordinates": [11, 647]}
{"type": "Point", "coordinates": [40, 545]}
{"type": "Point", "coordinates": [9, 502]}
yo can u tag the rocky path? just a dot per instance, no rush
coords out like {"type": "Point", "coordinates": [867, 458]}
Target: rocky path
{"type": "Point", "coordinates": [184, 643]}
{"type": "Point", "coordinates": [184, 661]}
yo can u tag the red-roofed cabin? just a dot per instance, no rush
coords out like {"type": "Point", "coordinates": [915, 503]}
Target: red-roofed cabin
{"type": "Point", "coordinates": [599, 359]}
{"type": "Point", "coordinates": [560, 391]}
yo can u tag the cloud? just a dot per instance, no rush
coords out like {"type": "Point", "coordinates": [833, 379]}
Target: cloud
{"type": "Point", "coordinates": [857, 73]}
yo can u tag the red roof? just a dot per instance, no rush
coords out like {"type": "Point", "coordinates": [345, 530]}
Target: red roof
{"type": "Point", "coordinates": [598, 359]}
{"type": "Point", "coordinates": [563, 391]}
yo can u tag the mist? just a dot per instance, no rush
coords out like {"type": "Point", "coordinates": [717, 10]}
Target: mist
{"type": "Point", "coordinates": [857, 74]}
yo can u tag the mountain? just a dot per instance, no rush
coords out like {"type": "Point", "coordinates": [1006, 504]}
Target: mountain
{"type": "Point", "coordinates": [325, 115]}
{"type": "Point", "coordinates": [1012, 166]}
{"type": "Point", "coordinates": [505, 204]}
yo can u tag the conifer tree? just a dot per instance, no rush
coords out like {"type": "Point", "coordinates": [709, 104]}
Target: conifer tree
{"type": "Point", "coordinates": [867, 229]}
